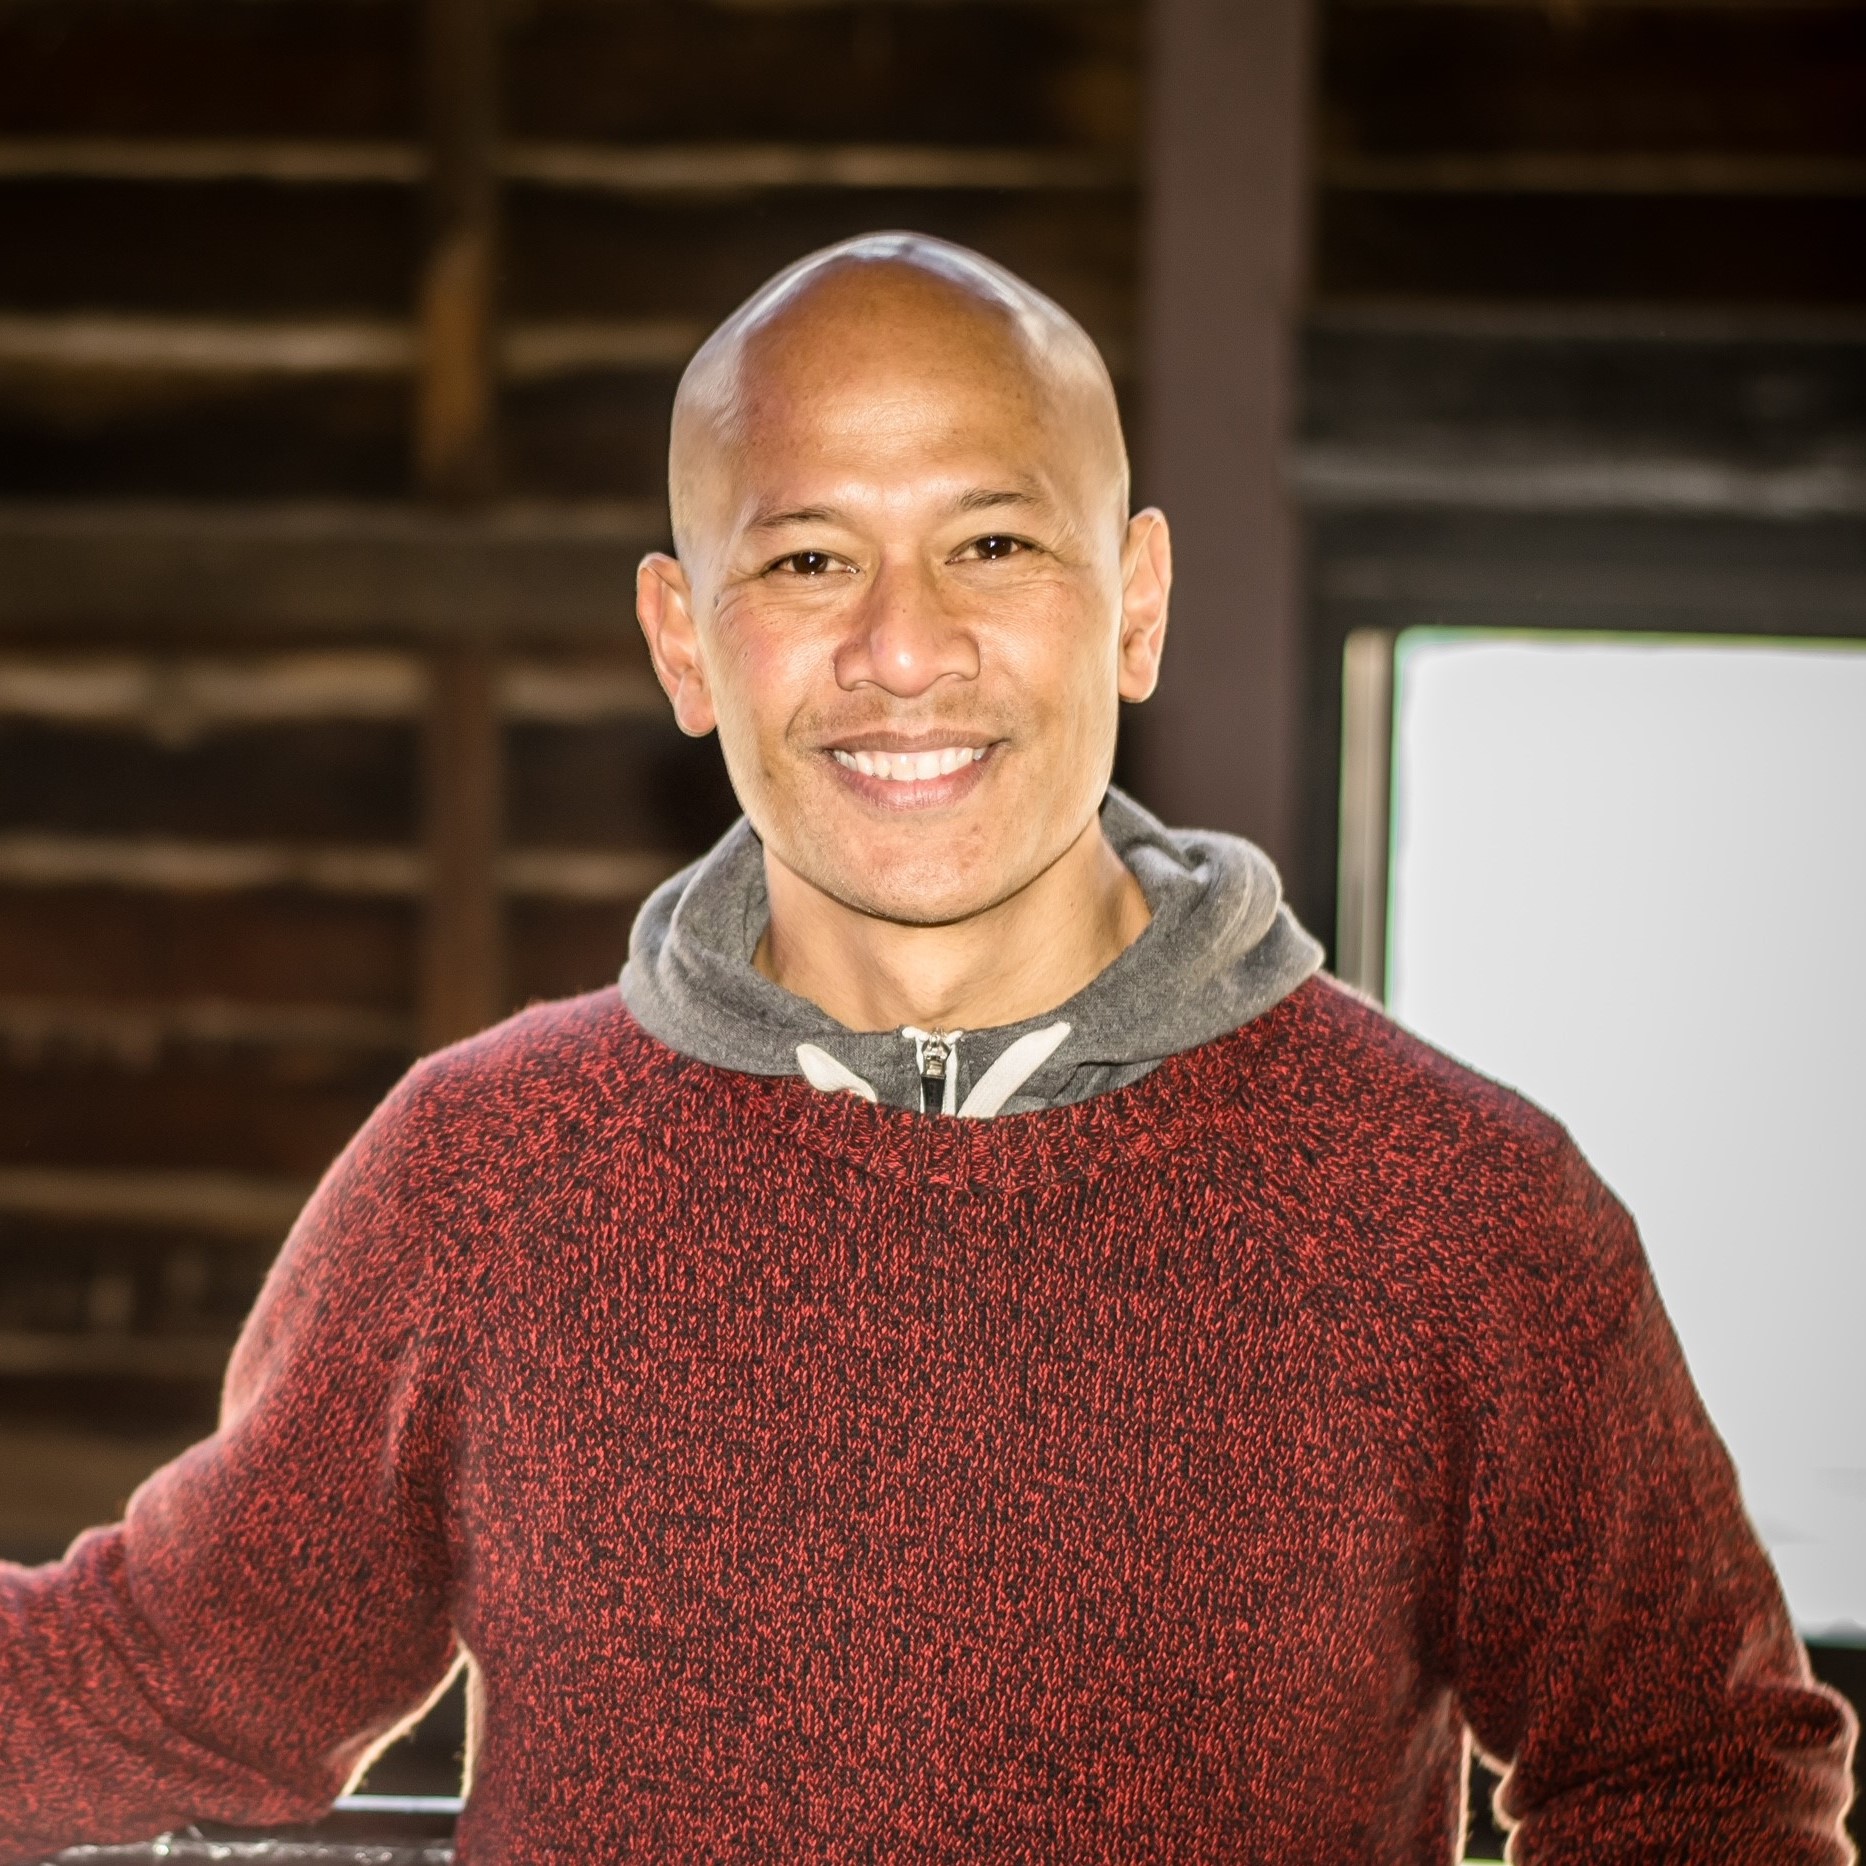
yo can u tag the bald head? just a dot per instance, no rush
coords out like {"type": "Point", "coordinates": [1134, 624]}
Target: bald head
{"type": "Point", "coordinates": [900, 499]}
{"type": "Point", "coordinates": [855, 334]}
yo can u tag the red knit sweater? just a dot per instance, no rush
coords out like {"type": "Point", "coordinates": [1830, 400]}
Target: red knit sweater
{"type": "Point", "coordinates": [1171, 1476]}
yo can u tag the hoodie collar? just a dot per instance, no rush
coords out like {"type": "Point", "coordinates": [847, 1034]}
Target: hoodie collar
{"type": "Point", "coordinates": [1221, 948]}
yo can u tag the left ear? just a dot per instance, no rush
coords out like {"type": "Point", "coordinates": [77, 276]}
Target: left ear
{"type": "Point", "coordinates": [1146, 583]}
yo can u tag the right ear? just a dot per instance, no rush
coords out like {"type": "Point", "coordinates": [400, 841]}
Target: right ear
{"type": "Point", "coordinates": [664, 607]}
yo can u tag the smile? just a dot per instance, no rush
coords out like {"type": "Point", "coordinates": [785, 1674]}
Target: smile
{"type": "Point", "coordinates": [910, 767]}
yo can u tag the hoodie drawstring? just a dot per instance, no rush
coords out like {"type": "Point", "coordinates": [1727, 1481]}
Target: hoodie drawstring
{"type": "Point", "coordinates": [822, 1071]}
{"type": "Point", "coordinates": [1012, 1070]}
{"type": "Point", "coordinates": [1019, 1062]}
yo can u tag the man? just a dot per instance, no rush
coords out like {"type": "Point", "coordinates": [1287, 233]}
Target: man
{"type": "Point", "coordinates": [978, 1351]}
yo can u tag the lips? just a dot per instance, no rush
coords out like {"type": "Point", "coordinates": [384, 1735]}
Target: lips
{"type": "Point", "coordinates": [915, 767]}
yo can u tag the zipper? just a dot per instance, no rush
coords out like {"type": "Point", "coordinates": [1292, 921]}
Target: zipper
{"type": "Point", "coordinates": [935, 1061]}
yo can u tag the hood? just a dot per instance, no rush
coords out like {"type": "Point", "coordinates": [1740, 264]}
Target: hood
{"type": "Point", "coordinates": [1220, 949]}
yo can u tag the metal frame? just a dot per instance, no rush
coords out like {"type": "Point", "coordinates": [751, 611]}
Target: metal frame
{"type": "Point", "coordinates": [1366, 796]}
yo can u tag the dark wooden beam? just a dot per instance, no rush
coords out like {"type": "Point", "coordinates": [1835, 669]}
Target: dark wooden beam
{"type": "Point", "coordinates": [462, 969]}
{"type": "Point", "coordinates": [457, 395]}
{"type": "Point", "coordinates": [462, 964]}
{"type": "Point", "coordinates": [1226, 240]}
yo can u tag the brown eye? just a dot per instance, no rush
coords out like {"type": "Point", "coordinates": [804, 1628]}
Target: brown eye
{"type": "Point", "coordinates": [993, 547]}
{"type": "Point", "coordinates": [806, 563]}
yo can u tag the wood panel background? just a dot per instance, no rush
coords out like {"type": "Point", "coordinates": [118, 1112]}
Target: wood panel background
{"type": "Point", "coordinates": [337, 341]}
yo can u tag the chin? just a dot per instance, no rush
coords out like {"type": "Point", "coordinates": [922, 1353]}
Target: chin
{"type": "Point", "coordinates": [916, 893]}
{"type": "Point", "coordinates": [912, 885]}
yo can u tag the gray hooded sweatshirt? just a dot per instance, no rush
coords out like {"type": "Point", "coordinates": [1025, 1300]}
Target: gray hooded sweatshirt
{"type": "Point", "coordinates": [1220, 949]}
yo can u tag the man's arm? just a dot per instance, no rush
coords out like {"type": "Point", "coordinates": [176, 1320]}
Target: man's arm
{"type": "Point", "coordinates": [1623, 1641]}
{"type": "Point", "coordinates": [276, 1600]}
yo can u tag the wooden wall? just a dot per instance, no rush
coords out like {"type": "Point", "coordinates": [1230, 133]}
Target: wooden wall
{"type": "Point", "coordinates": [1587, 340]}
{"type": "Point", "coordinates": [337, 340]}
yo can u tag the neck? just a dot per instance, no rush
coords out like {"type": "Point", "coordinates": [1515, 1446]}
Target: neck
{"type": "Point", "coordinates": [1014, 960]}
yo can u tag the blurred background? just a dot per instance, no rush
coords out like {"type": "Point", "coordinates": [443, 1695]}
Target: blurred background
{"type": "Point", "coordinates": [337, 340]}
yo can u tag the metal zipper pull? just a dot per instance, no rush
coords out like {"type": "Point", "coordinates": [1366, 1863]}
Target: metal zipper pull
{"type": "Point", "coordinates": [933, 1058]}
{"type": "Point", "coordinates": [937, 1067]}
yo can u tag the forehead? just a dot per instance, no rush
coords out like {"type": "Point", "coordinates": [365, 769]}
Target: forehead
{"type": "Point", "coordinates": [891, 402]}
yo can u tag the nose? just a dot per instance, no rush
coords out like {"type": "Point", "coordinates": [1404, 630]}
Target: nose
{"type": "Point", "coordinates": [903, 637]}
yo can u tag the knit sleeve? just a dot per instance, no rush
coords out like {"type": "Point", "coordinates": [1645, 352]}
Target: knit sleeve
{"type": "Point", "coordinates": [276, 1600]}
{"type": "Point", "coordinates": [1623, 1644]}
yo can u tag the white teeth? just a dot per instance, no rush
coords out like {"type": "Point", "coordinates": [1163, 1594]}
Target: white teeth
{"type": "Point", "coordinates": [909, 767]}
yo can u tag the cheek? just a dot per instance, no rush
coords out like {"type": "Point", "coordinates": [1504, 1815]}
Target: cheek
{"type": "Point", "coordinates": [764, 671]}
{"type": "Point", "coordinates": [1061, 658]}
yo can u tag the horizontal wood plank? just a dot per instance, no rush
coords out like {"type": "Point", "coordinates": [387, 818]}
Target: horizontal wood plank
{"type": "Point", "coordinates": [182, 346]}
{"type": "Point", "coordinates": [300, 163]}
{"type": "Point", "coordinates": [137, 1034]}
{"type": "Point", "coordinates": [1454, 567]}
{"type": "Point", "coordinates": [202, 346]}
{"type": "Point", "coordinates": [171, 865]}
{"type": "Point", "coordinates": [1533, 171]}
{"type": "Point", "coordinates": [175, 698]}
{"type": "Point", "coordinates": [1459, 476]}
{"type": "Point", "coordinates": [139, 1357]}
{"type": "Point", "coordinates": [736, 168]}
{"type": "Point", "coordinates": [58, 1478]}
{"type": "Point", "coordinates": [123, 571]}
{"type": "Point", "coordinates": [233, 1205]}
{"type": "Point", "coordinates": [668, 168]}
{"type": "Point", "coordinates": [178, 698]}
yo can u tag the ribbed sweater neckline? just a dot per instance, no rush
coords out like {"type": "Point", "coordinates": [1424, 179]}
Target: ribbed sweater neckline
{"type": "Point", "coordinates": [1134, 1125]}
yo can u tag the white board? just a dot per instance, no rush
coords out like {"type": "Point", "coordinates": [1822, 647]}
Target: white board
{"type": "Point", "coordinates": [1628, 877]}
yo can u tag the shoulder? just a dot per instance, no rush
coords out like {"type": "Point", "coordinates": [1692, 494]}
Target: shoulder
{"type": "Point", "coordinates": [1376, 1088]}
{"type": "Point", "coordinates": [562, 1042]}
{"type": "Point", "coordinates": [1437, 1170]}
{"type": "Point", "coordinates": [531, 1084]}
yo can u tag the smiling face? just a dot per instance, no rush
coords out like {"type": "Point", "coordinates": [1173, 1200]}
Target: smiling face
{"type": "Point", "coordinates": [908, 595]}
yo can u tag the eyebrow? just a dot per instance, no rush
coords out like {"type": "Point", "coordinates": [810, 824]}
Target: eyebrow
{"type": "Point", "coordinates": [989, 499]}
{"type": "Point", "coordinates": [979, 499]}
{"type": "Point", "coordinates": [796, 515]}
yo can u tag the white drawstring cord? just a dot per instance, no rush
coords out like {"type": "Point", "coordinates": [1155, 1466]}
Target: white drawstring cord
{"type": "Point", "coordinates": [1012, 1070]}
{"type": "Point", "coordinates": [822, 1071]}
{"type": "Point", "coordinates": [1020, 1061]}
